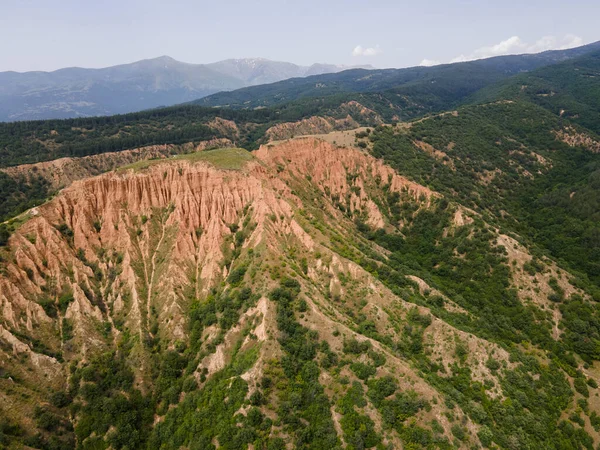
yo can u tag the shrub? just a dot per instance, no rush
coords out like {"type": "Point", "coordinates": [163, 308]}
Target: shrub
{"type": "Point", "coordinates": [355, 347]}
{"type": "Point", "coordinates": [363, 371]}
{"type": "Point", "coordinates": [236, 276]}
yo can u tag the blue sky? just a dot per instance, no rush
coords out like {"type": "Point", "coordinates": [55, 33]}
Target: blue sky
{"type": "Point", "coordinates": [50, 34]}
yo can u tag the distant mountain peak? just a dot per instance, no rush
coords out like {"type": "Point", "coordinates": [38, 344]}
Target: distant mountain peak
{"type": "Point", "coordinates": [253, 59]}
{"type": "Point", "coordinates": [165, 58]}
{"type": "Point", "coordinates": [144, 84]}
{"type": "Point", "coordinates": [164, 61]}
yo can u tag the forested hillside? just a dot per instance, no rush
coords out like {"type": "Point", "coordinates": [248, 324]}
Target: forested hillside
{"type": "Point", "coordinates": [418, 89]}
{"type": "Point", "coordinates": [569, 90]}
{"type": "Point", "coordinates": [515, 163]}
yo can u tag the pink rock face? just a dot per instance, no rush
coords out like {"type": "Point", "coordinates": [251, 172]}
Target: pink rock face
{"type": "Point", "coordinates": [340, 172]}
{"type": "Point", "coordinates": [138, 246]}
{"type": "Point", "coordinates": [126, 253]}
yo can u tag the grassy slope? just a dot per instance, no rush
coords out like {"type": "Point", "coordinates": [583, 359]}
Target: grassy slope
{"type": "Point", "coordinates": [225, 158]}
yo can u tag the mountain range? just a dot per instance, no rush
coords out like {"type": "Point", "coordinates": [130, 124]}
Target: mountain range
{"type": "Point", "coordinates": [163, 81]}
{"type": "Point", "coordinates": [402, 262]}
{"type": "Point", "coordinates": [443, 83]}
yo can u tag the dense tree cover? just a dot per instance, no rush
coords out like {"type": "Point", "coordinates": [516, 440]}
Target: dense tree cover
{"type": "Point", "coordinates": [396, 407]}
{"type": "Point", "coordinates": [113, 412]}
{"type": "Point", "coordinates": [569, 90]}
{"type": "Point", "coordinates": [564, 216]}
{"type": "Point", "coordinates": [54, 431]}
{"type": "Point", "coordinates": [211, 413]}
{"type": "Point", "coordinates": [9, 431]}
{"type": "Point", "coordinates": [304, 408]}
{"type": "Point", "coordinates": [223, 309]}
{"type": "Point", "coordinates": [30, 142]}
{"type": "Point", "coordinates": [529, 417]}
{"type": "Point", "coordinates": [359, 429]}
{"type": "Point", "coordinates": [35, 141]}
{"type": "Point", "coordinates": [19, 194]}
{"type": "Point", "coordinates": [471, 270]}
{"type": "Point", "coordinates": [505, 158]}
{"type": "Point", "coordinates": [582, 327]}
{"type": "Point", "coordinates": [4, 234]}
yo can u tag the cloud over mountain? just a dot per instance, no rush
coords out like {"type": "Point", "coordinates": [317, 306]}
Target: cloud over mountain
{"type": "Point", "coordinates": [359, 50]}
{"type": "Point", "coordinates": [513, 45]}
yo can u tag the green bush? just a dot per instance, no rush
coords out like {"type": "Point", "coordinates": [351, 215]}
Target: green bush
{"type": "Point", "coordinates": [363, 371]}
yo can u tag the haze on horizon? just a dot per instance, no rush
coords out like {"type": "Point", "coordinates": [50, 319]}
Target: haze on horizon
{"type": "Point", "coordinates": [44, 35]}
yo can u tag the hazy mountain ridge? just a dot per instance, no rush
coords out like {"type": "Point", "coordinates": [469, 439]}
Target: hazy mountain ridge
{"type": "Point", "coordinates": [448, 82]}
{"type": "Point", "coordinates": [255, 71]}
{"type": "Point", "coordinates": [163, 81]}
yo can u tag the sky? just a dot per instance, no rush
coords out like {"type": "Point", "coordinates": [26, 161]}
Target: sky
{"type": "Point", "coordinates": [51, 34]}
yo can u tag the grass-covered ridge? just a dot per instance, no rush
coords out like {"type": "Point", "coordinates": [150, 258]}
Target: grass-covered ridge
{"type": "Point", "coordinates": [223, 158]}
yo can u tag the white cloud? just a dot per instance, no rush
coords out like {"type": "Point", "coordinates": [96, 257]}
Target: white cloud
{"type": "Point", "coordinates": [515, 45]}
{"type": "Point", "coordinates": [429, 62]}
{"type": "Point", "coordinates": [460, 58]}
{"type": "Point", "coordinates": [571, 41]}
{"type": "Point", "coordinates": [359, 50]}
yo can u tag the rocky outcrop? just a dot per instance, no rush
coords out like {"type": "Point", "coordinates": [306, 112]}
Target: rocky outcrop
{"type": "Point", "coordinates": [361, 112]}
{"type": "Point", "coordinates": [342, 174]}
{"type": "Point", "coordinates": [354, 112]}
{"type": "Point", "coordinates": [225, 127]}
{"type": "Point", "coordinates": [573, 138]}
{"type": "Point", "coordinates": [312, 125]}
{"type": "Point", "coordinates": [60, 173]}
{"type": "Point", "coordinates": [179, 213]}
